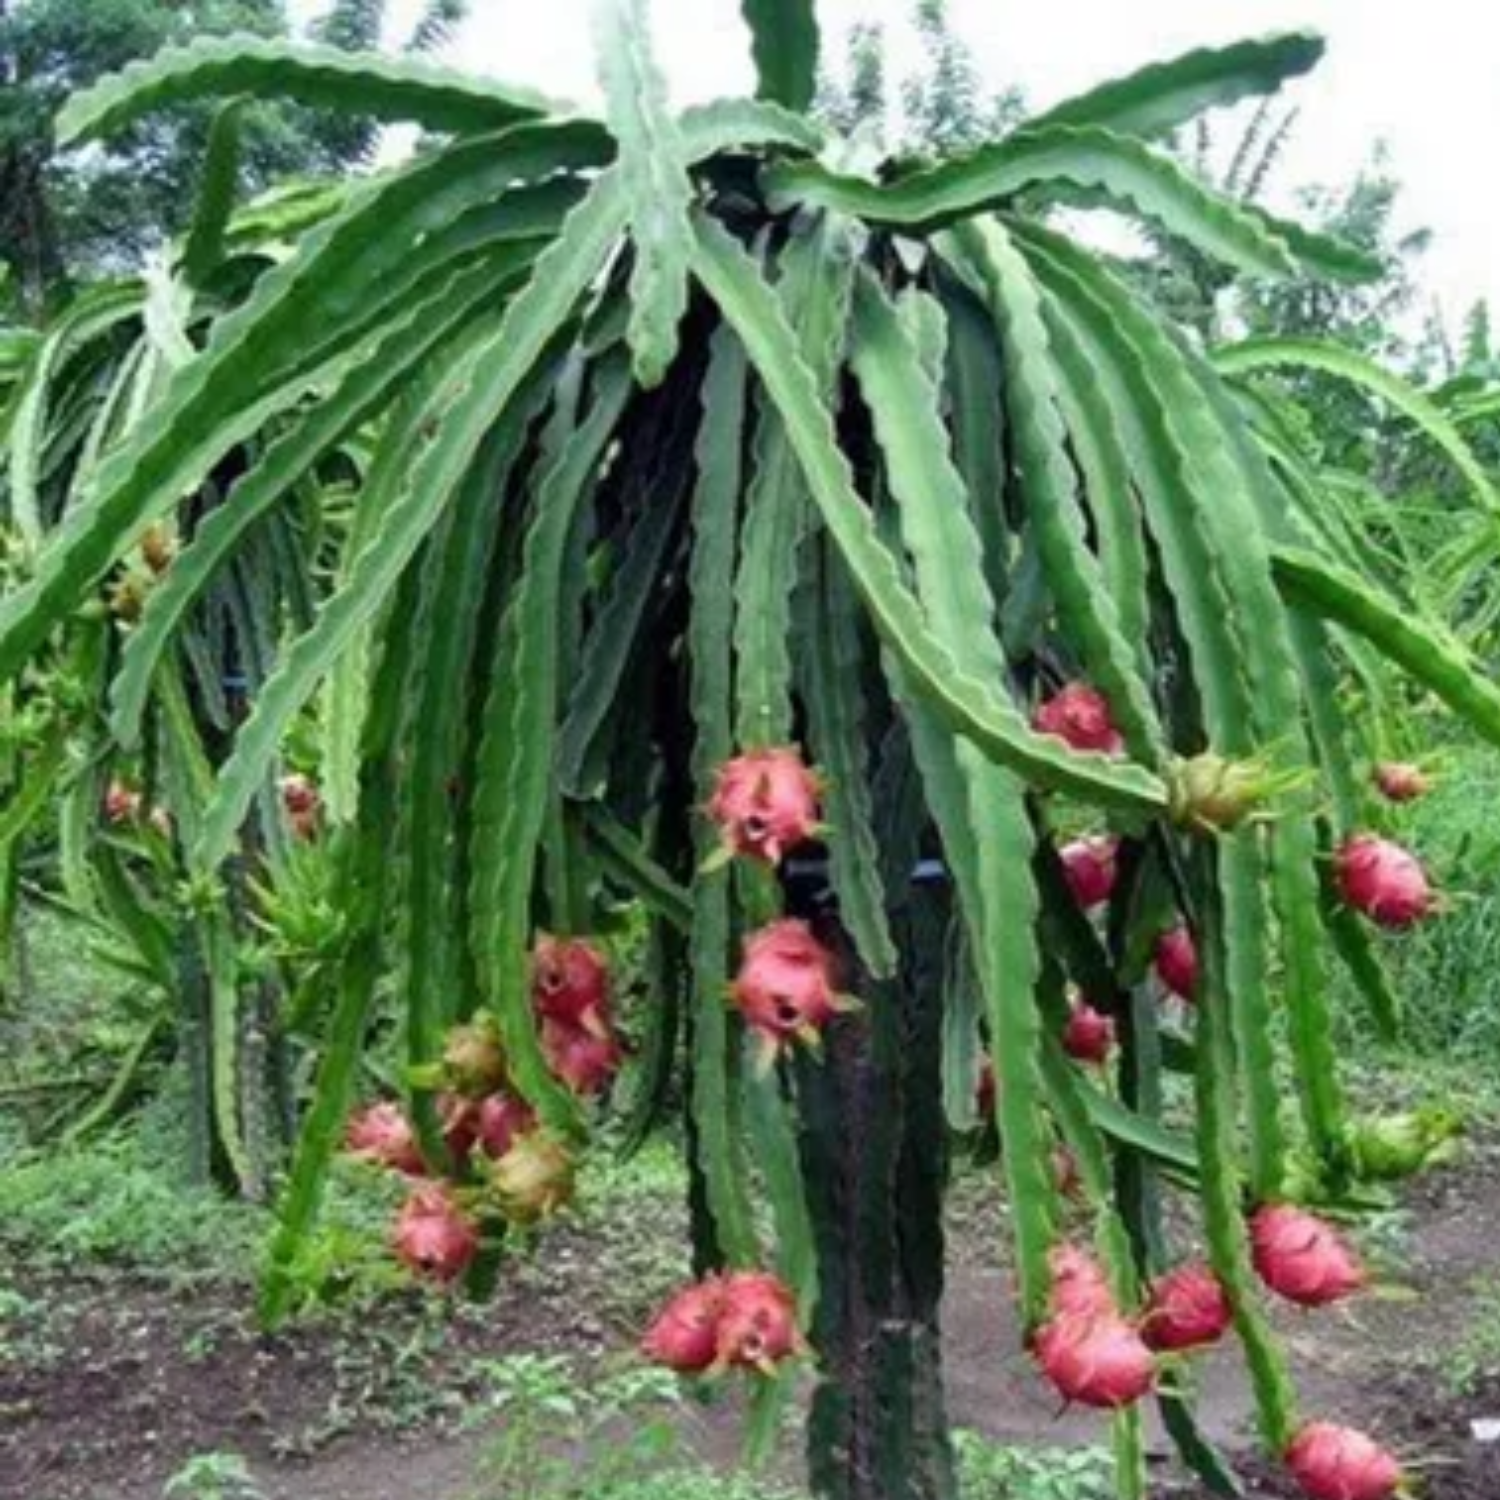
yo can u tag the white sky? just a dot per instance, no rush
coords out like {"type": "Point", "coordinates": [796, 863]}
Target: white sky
{"type": "Point", "coordinates": [1423, 76]}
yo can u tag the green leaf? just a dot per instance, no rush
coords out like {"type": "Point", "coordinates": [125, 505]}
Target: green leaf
{"type": "Point", "coordinates": [520, 720]}
{"type": "Point", "coordinates": [1347, 364]}
{"type": "Point", "coordinates": [1441, 666]}
{"type": "Point", "coordinates": [1165, 95]}
{"type": "Point", "coordinates": [380, 88]}
{"type": "Point", "coordinates": [733, 124]}
{"type": "Point", "coordinates": [653, 168]}
{"type": "Point", "coordinates": [784, 39]}
{"type": "Point", "coordinates": [1040, 443]}
{"type": "Point", "coordinates": [264, 356]}
{"type": "Point", "coordinates": [625, 858]}
{"type": "Point", "coordinates": [1137, 179]}
{"type": "Point", "coordinates": [483, 380]}
{"type": "Point", "coordinates": [816, 277]}
{"type": "Point", "coordinates": [96, 313]}
{"type": "Point", "coordinates": [204, 248]}
{"type": "Point", "coordinates": [835, 701]}
{"type": "Point", "coordinates": [719, 457]}
{"type": "Point", "coordinates": [973, 707]}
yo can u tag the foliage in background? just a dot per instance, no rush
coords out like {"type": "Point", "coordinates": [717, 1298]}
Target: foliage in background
{"type": "Point", "coordinates": [99, 212]}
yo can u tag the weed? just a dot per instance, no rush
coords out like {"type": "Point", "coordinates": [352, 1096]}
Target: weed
{"type": "Point", "coordinates": [988, 1471]}
{"type": "Point", "coordinates": [213, 1476]}
{"type": "Point", "coordinates": [1475, 1358]}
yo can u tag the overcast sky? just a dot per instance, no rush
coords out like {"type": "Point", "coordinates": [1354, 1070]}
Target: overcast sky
{"type": "Point", "coordinates": [1423, 76]}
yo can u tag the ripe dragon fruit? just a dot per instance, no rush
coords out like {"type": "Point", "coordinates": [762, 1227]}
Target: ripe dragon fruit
{"type": "Point", "coordinates": [785, 988]}
{"type": "Point", "coordinates": [1299, 1256]}
{"type": "Point", "coordinates": [1089, 868]}
{"type": "Point", "coordinates": [1187, 1309]}
{"type": "Point", "coordinates": [584, 1060]}
{"type": "Point", "coordinates": [1089, 1034]}
{"type": "Point", "coordinates": [1080, 1288]}
{"type": "Point", "coordinates": [1096, 1359]}
{"type": "Point", "coordinates": [1079, 715]}
{"type": "Point", "coordinates": [1401, 781]}
{"type": "Point", "coordinates": [570, 984]}
{"type": "Point", "coordinates": [1383, 880]}
{"type": "Point", "coordinates": [433, 1236]}
{"type": "Point", "coordinates": [685, 1334]}
{"type": "Point", "coordinates": [765, 803]}
{"type": "Point", "coordinates": [533, 1179]}
{"type": "Point", "coordinates": [499, 1122]}
{"type": "Point", "coordinates": [1176, 962]}
{"type": "Point", "coordinates": [1338, 1463]}
{"type": "Point", "coordinates": [382, 1134]}
{"type": "Point", "coordinates": [757, 1326]}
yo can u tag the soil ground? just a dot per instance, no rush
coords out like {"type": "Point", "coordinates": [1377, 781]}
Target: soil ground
{"type": "Point", "coordinates": [127, 1378]}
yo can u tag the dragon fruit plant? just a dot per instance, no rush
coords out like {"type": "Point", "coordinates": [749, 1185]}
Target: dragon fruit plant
{"type": "Point", "coordinates": [841, 562]}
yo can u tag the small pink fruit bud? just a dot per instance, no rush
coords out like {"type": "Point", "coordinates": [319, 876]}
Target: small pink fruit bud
{"type": "Point", "coordinates": [382, 1134]}
{"type": "Point", "coordinates": [1188, 1308]}
{"type": "Point", "coordinates": [1097, 1360]}
{"type": "Point", "coordinates": [1176, 960]}
{"type": "Point", "coordinates": [1384, 881]}
{"type": "Point", "coordinates": [1089, 868]}
{"type": "Point", "coordinates": [1338, 1463]}
{"type": "Point", "coordinates": [1079, 715]}
{"type": "Point", "coordinates": [1299, 1256]}
{"type": "Point", "coordinates": [1089, 1034]}
{"type": "Point", "coordinates": [570, 983]}
{"type": "Point", "coordinates": [299, 795]}
{"type": "Point", "coordinates": [1080, 1288]}
{"type": "Point", "coordinates": [433, 1236]}
{"type": "Point", "coordinates": [758, 1322]}
{"type": "Point", "coordinates": [785, 988]}
{"type": "Point", "coordinates": [584, 1060]}
{"type": "Point", "coordinates": [765, 803]}
{"type": "Point", "coordinates": [122, 803]}
{"type": "Point", "coordinates": [685, 1334]}
{"type": "Point", "coordinates": [1401, 781]}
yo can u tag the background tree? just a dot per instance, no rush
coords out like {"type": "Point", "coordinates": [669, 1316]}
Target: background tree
{"type": "Point", "coordinates": [97, 212]}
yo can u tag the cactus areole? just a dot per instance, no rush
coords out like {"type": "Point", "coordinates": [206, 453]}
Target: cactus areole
{"type": "Point", "coordinates": [742, 524]}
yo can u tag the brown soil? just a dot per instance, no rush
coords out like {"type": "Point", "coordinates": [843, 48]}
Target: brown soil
{"type": "Point", "coordinates": [127, 1379]}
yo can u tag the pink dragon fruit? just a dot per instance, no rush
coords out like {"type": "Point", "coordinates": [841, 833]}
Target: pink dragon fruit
{"type": "Point", "coordinates": [1338, 1463]}
{"type": "Point", "coordinates": [1089, 1034]}
{"type": "Point", "coordinates": [765, 803]}
{"type": "Point", "coordinates": [499, 1122]}
{"type": "Point", "coordinates": [1090, 869]}
{"type": "Point", "coordinates": [757, 1326]}
{"type": "Point", "coordinates": [685, 1334]}
{"type": "Point", "coordinates": [1176, 962]}
{"type": "Point", "coordinates": [1300, 1257]}
{"type": "Point", "coordinates": [1095, 1359]}
{"type": "Point", "coordinates": [122, 803]}
{"type": "Point", "coordinates": [1080, 716]}
{"type": "Point", "coordinates": [382, 1134]}
{"type": "Point", "coordinates": [584, 1060]}
{"type": "Point", "coordinates": [786, 988]}
{"type": "Point", "coordinates": [1188, 1308]}
{"type": "Point", "coordinates": [433, 1235]}
{"type": "Point", "coordinates": [1384, 881]}
{"type": "Point", "coordinates": [570, 984]}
